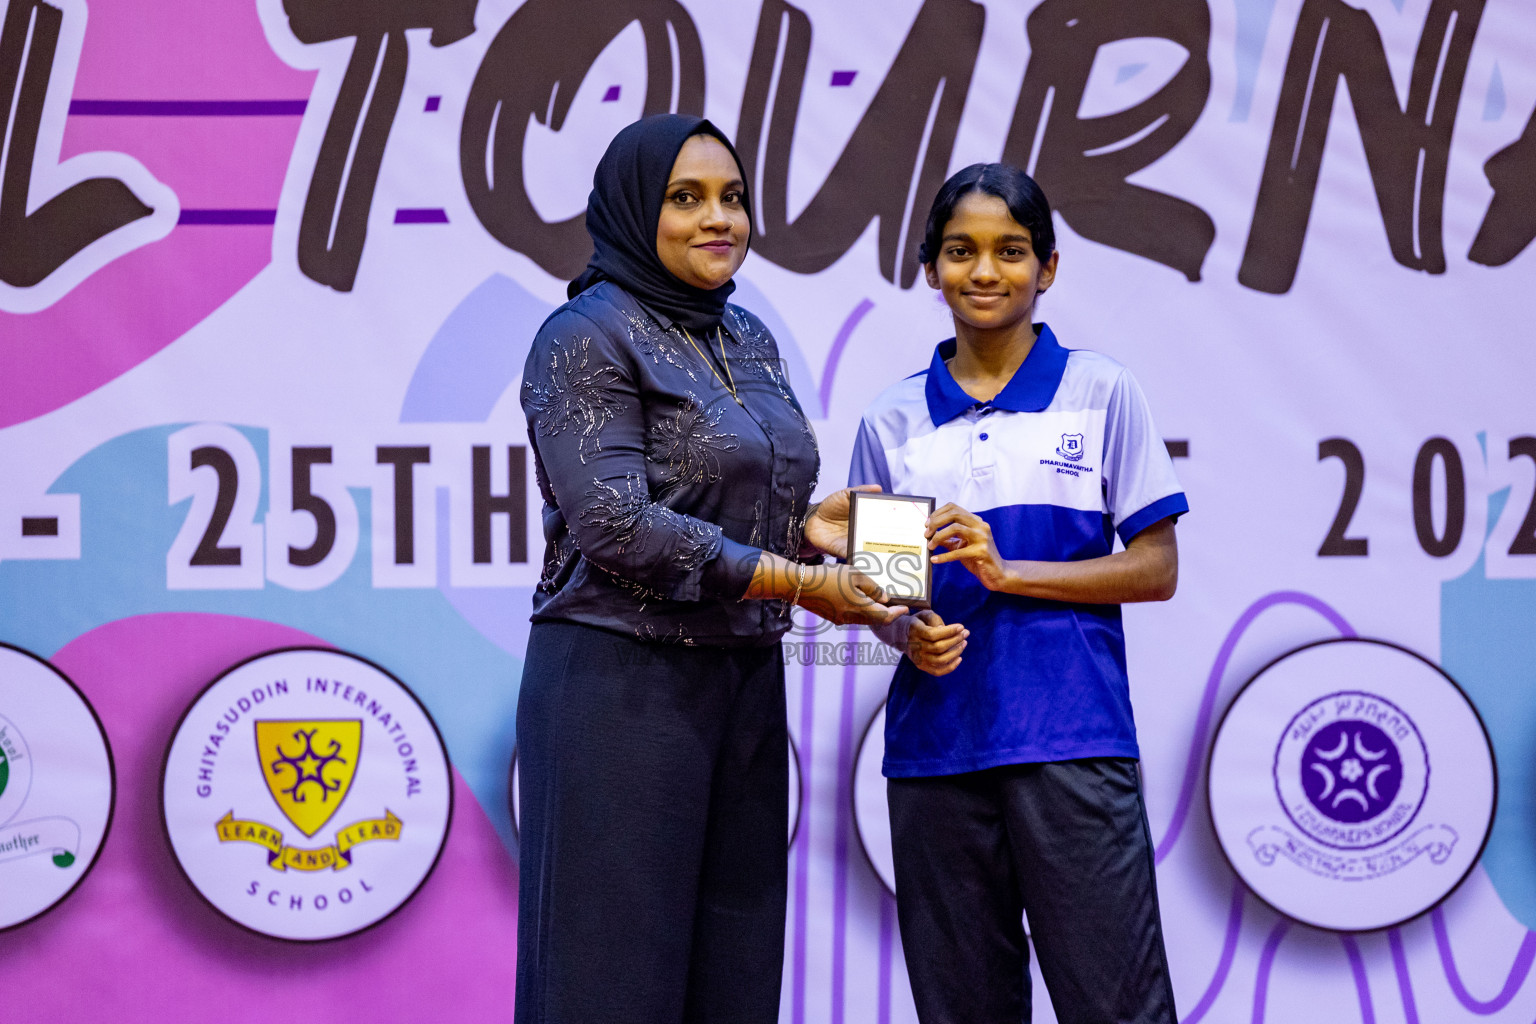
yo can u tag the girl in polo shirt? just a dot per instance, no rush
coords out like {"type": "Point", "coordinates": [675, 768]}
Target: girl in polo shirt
{"type": "Point", "coordinates": [1010, 746]}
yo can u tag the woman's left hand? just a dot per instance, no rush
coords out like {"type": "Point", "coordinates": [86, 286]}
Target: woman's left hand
{"type": "Point", "coordinates": [826, 526]}
{"type": "Point", "coordinates": [967, 538]}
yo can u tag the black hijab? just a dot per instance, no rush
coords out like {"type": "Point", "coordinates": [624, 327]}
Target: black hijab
{"type": "Point", "coordinates": [624, 209]}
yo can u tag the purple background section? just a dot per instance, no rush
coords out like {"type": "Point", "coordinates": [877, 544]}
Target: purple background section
{"type": "Point", "coordinates": [1518, 971]}
{"type": "Point", "coordinates": [410, 215]}
{"type": "Point", "coordinates": [1197, 746]}
{"type": "Point", "coordinates": [227, 217]}
{"type": "Point", "coordinates": [476, 354]}
{"type": "Point", "coordinates": [188, 108]}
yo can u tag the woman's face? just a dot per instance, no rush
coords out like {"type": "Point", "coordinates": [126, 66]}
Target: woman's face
{"type": "Point", "coordinates": [987, 268]}
{"type": "Point", "coordinates": [701, 236]}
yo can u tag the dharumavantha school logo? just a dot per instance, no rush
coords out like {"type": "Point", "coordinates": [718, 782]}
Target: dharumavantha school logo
{"type": "Point", "coordinates": [1352, 785]}
{"type": "Point", "coordinates": [306, 794]}
{"type": "Point", "coordinates": [56, 786]}
{"type": "Point", "coordinates": [1071, 447]}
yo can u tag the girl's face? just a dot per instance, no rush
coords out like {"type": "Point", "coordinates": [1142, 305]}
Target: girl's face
{"type": "Point", "coordinates": [701, 235]}
{"type": "Point", "coordinates": [987, 268]}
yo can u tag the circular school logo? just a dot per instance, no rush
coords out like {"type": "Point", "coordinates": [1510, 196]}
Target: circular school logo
{"type": "Point", "coordinates": [306, 794]}
{"type": "Point", "coordinates": [1352, 785]}
{"type": "Point", "coordinates": [56, 787]}
{"type": "Point", "coordinates": [1351, 770]}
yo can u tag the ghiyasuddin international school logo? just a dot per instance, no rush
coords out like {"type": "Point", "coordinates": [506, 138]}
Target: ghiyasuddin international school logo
{"type": "Point", "coordinates": [1071, 447]}
{"type": "Point", "coordinates": [307, 794]}
{"type": "Point", "coordinates": [308, 768]}
{"type": "Point", "coordinates": [56, 786]}
{"type": "Point", "coordinates": [1352, 785]}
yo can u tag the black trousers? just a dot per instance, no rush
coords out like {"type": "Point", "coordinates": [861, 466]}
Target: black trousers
{"type": "Point", "coordinates": [1068, 842]}
{"type": "Point", "coordinates": [652, 867]}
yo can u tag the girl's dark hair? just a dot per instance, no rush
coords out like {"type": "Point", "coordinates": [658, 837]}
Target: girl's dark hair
{"type": "Point", "coordinates": [1018, 190]}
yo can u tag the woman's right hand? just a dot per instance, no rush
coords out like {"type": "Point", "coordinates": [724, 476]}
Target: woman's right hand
{"type": "Point", "coordinates": [844, 595]}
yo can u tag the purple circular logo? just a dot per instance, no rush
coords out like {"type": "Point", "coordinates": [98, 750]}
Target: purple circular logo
{"type": "Point", "coordinates": [1351, 771]}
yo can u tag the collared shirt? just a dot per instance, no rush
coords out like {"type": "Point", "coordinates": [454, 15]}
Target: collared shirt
{"type": "Point", "coordinates": [660, 490]}
{"type": "Point", "coordinates": [1064, 455]}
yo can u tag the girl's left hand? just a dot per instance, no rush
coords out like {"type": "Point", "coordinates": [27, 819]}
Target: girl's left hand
{"type": "Point", "coordinates": [826, 525]}
{"type": "Point", "coordinates": [968, 540]}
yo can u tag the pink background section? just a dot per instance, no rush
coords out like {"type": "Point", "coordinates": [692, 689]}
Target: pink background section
{"type": "Point", "coordinates": [182, 50]}
{"type": "Point", "coordinates": [135, 938]}
{"type": "Point", "coordinates": [138, 304]}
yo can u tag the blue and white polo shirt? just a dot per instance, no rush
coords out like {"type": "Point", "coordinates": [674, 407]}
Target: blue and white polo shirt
{"type": "Point", "coordinates": [1065, 454]}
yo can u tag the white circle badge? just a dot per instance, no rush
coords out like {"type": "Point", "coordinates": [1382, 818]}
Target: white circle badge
{"type": "Point", "coordinates": [306, 794]}
{"type": "Point", "coordinates": [1352, 784]}
{"type": "Point", "coordinates": [56, 786]}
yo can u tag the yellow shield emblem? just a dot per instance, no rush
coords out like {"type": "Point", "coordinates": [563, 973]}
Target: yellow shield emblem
{"type": "Point", "coordinates": [309, 766]}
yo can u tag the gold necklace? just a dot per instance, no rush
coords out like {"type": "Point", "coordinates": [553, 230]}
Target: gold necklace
{"type": "Point", "coordinates": [728, 385]}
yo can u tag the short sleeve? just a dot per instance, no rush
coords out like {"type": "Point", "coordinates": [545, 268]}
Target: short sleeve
{"type": "Point", "coordinates": [1140, 485]}
{"type": "Point", "coordinates": [868, 465]}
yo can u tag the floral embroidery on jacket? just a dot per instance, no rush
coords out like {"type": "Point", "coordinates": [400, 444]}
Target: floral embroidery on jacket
{"type": "Point", "coordinates": [629, 516]}
{"type": "Point", "coordinates": [656, 344]}
{"type": "Point", "coordinates": [576, 396]}
{"type": "Point", "coordinates": [688, 444]}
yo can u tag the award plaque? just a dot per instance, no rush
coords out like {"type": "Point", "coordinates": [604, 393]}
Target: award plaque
{"type": "Point", "coordinates": [887, 541]}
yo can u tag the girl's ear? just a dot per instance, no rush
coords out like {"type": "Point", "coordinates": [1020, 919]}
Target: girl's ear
{"type": "Point", "coordinates": [1047, 273]}
{"type": "Point", "coordinates": [931, 274]}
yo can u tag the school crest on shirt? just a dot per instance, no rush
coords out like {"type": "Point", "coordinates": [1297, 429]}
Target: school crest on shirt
{"type": "Point", "coordinates": [1069, 456]}
{"type": "Point", "coordinates": [1351, 784]}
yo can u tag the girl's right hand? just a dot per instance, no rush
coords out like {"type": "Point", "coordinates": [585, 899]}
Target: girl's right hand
{"type": "Point", "coordinates": [842, 594]}
{"type": "Point", "coordinates": [934, 647]}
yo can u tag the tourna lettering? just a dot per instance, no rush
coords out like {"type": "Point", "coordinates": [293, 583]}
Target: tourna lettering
{"type": "Point", "coordinates": [1083, 164]}
{"type": "Point", "coordinates": [900, 148]}
{"type": "Point", "coordinates": [509, 89]}
{"type": "Point", "coordinates": [908, 132]}
{"type": "Point", "coordinates": [334, 226]}
{"type": "Point", "coordinates": [1407, 149]}
{"type": "Point", "coordinates": [905, 138]}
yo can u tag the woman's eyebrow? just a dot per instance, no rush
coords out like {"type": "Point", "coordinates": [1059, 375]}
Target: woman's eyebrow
{"type": "Point", "coordinates": [696, 183]}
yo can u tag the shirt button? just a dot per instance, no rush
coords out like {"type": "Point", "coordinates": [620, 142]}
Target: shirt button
{"type": "Point", "coordinates": [983, 437]}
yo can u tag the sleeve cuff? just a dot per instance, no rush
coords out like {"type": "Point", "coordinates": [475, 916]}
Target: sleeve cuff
{"type": "Point", "coordinates": [1173, 506]}
{"type": "Point", "coordinates": [731, 570]}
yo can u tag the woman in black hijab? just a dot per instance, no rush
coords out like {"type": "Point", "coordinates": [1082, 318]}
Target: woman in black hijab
{"type": "Point", "coordinates": [676, 468]}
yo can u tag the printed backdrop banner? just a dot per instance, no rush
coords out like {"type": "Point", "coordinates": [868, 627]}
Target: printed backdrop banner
{"type": "Point", "coordinates": [269, 270]}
